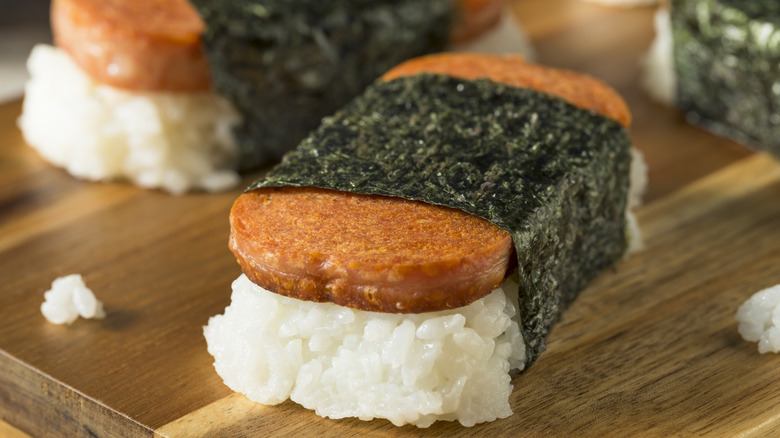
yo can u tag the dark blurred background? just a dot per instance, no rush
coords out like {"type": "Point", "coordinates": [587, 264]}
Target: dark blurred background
{"type": "Point", "coordinates": [23, 23]}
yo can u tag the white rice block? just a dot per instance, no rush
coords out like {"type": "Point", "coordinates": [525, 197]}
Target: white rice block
{"type": "Point", "coordinates": [176, 142]}
{"type": "Point", "coordinates": [638, 179]}
{"type": "Point", "coordinates": [659, 79]}
{"type": "Point", "coordinates": [636, 190]}
{"type": "Point", "coordinates": [507, 37]}
{"type": "Point", "coordinates": [342, 362]}
{"type": "Point", "coordinates": [68, 299]}
{"type": "Point", "coordinates": [759, 319]}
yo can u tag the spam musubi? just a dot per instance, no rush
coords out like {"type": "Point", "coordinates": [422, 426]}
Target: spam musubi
{"type": "Point", "coordinates": [286, 64]}
{"type": "Point", "coordinates": [126, 95]}
{"type": "Point", "coordinates": [718, 61]}
{"type": "Point", "coordinates": [422, 242]}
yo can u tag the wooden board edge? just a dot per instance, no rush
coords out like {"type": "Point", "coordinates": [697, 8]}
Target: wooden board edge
{"type": "Point", "coordinates": [42, 406]}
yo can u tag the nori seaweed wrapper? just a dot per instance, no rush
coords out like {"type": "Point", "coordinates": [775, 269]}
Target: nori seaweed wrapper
{"type": "Point", "coordinates": [553, 175]}
{"type": "Point", "coordinates": [285, 64]}
{"type": "Point", "coordinates": [727, 60]}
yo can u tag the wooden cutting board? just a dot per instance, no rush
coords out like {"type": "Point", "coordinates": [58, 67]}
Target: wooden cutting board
{"type": "Point", "coordinates": [650, 348]}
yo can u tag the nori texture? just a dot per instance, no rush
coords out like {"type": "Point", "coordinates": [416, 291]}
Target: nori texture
{"type": "Point", "coordinates": [553, 175]}
{"type": "Point", "coordinates": [727, 60]}
{"type": "Point", "coordinates": [285, 64]}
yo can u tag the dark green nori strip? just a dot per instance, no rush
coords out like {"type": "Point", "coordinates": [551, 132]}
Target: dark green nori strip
{"type": "Point", "coordinates": [553, 175]}
{"type": "Point", "coordinates": [285, 64]}
{"type": "Point", "coordinates": [727, 59]}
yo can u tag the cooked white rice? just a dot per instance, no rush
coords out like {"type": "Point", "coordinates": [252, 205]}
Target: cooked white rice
{"type": "Point", "coordinates": [176, 142]}
{"type": "Point", "coordinates": [636, 189]}
{"type": "Point", "coordinates": [68, 299]}
{"type": "Point", "coordinates": [658, 76]}
{"type": "Point", "coordinates": [507, 37]}
{"type": "Point", "coordinates": [638, 179]}
{"type": "Point", "coordinates": [759, 319]}
{"type": "Point", "coordinates": [341, 362]}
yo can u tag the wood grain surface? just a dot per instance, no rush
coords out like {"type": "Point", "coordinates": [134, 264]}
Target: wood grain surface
{"type": "Point", "coordinates": [650, 348]}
